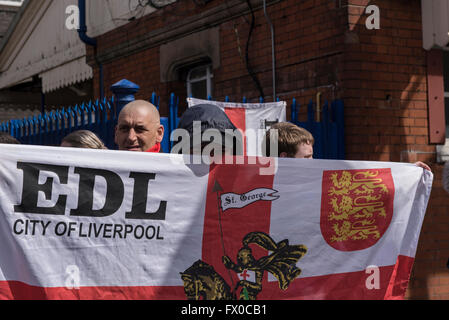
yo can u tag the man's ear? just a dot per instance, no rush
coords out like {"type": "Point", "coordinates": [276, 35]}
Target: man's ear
{"type": "Point", "coordinates": [115, 134]}
{"type": "Point", "coordinates": [283, 155]}
{"type": "Point", "coordinates": [160, 133]}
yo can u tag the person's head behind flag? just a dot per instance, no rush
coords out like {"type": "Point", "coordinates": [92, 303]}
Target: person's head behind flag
{"type": "Point", "coordinates": [139, 128]}
{"type": "Point", "coordinates": [206, 129]}
{"type": "Point", "coordinates": [292, 141]}
{"type": "Point", "coordinates": [82, 139]}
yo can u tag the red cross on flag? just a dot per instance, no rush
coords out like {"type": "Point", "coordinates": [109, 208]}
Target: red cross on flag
{"type": "Point", "coordinates": [252, 119]}
{"type": "Point", "coordinates": [247, 275]}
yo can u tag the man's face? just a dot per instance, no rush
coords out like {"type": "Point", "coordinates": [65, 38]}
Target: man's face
{"type": "Point", "coordinates": [137, 130]}
{"type": "Point", "coordinates": [305, 151]}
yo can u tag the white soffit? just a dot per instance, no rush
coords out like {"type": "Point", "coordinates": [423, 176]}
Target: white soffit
{"type": "Point", "coordinates": [42, 45]}
{"type": "Point", "coordinates": [66, 75]}
{"type": "Point", "coordinates": [11, 3]}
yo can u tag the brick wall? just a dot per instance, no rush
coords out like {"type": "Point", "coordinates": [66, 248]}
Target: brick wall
{"type": "Point", "coordinates": [321, 46]}
{"type": "Point", "coordinates": [385, 77]}
{"type": "Point", "coordinates": [309, 53]}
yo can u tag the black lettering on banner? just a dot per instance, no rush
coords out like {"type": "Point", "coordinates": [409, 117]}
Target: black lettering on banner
{"type": "Point", "coordinates": [31, 188]}
{"type": "Point", "coordinates": [107, 231]}
{"type": "Point", "coordinates": [58, 231]}
{"type": "Point", "coordinates": [118, 228]}
{"type": "Point", "coordinates": [139, 235]}
{"type": "Point", "coordinates": [114, 193]}
{"type": "Point", "coordinates": [140, 198]}
{"type": "Point", "coordinates": [153, 232]}
{"type": "Point", "coordinates": [18, 232]}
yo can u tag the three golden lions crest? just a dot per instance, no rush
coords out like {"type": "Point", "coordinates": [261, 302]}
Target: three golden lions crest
{"type": "Point", "coordinates": [356, 207]}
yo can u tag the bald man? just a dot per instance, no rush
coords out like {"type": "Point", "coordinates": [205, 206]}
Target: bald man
{"type": "Point", "coordinates": [139, 128]}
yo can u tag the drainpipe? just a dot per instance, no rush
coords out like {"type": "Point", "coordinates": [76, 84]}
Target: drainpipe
{"type": "Point", "coordinates": [273, 57]}
{"type": "Point", "coordinates": [82, 32]}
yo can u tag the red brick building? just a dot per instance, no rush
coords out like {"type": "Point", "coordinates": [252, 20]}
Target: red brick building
{"type": "Point", "coordinates": [392, 88]}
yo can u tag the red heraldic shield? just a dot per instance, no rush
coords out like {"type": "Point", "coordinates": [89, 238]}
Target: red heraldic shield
{"type": "Point", "coordinates": [356, 207]}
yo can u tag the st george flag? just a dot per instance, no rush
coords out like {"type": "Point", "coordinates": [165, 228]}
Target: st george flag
{"type": "Point", "coordinates": [100, 224]}
{"type": "Point", "coordinates": [252, 119]}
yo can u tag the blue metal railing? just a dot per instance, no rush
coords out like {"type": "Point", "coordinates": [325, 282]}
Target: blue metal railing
{"type": "Point", "coordinates": [328, 133]}
{"type": "Point", "coordinates": [101, 117]}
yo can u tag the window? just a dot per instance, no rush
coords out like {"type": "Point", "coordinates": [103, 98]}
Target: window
{"type": "Point", "coordinates": [199, 82]}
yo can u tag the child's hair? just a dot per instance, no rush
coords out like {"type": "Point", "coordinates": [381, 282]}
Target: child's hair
{"type": "Point", "coordinates": [289, 137]}
{"type": "Point", "coordinates": [84, 139]}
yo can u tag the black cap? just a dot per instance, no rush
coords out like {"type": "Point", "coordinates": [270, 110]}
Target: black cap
{"type": "Point", "coordinates": [210, 117]}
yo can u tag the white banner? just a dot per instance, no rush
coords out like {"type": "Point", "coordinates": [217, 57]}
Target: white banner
{"type": "Point", "coordinates": [101, 224]}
